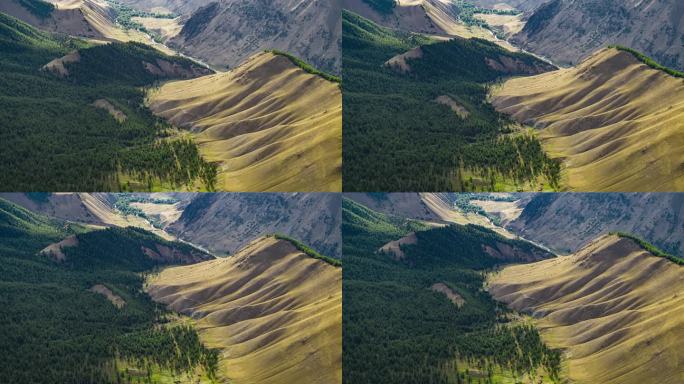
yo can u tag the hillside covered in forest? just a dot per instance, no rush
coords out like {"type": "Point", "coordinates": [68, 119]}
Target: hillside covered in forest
{"type": "Point", "coordinates": [72, 121]}
{"type": "Point", "coordinates": [416, 115]}
{"type": "Point", "coordinates": [423, 316]}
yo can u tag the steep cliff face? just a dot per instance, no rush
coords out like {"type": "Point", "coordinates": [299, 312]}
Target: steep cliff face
{"type": "Point", "coordinates": [568, 221]}
{"type": "Point", "coordinates": [225, 222]}
{"type": "Point", "coordinates": [567, 31]}
{"type": "Point", "coordinates": [226, 32]}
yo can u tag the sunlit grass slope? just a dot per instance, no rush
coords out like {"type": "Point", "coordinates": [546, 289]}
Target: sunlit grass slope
{"type": "Point", "coordinates": [615, 121]}
{"type": "Point", "coordinates": [275, 312]}
{"type": "Point", "coordinates": [269, 124]}
{"type": "Point", "coordinates": [616, 310]}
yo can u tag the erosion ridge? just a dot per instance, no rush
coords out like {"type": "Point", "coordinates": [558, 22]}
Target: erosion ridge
{"type": "Point", "coordinates": [269, 302]}
{"type": "Point", "coordinates": [600, 305]}
{"type": "Point", "coordinates": [615, 121]}
{"type": "Point", "coordinates": [269, 124]}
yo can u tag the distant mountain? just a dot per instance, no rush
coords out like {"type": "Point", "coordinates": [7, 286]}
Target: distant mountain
{"type": "Point", "coordinates": [600, 305]}
{"type": "Point", "coordinates": [410, 205]}
{"type": "Point", "coordinates": [523, 5]}
{"type": "Point", "coordinates": [268, 303]}
{"type": "Point", "coordinates": [431, 17]}
{"type": "Point", "coordinates": [180, 7]}
{"type": "Point", "coordinates": [567, 31]}
{"type": "Point", "coordinates": [426, 16]}
{"type": "Point", "coordinates": [272, 124]}
{"type": "Point", "coordinates": [568, 221]}
{"type": "Point", "coordinates": [224, 33]}
{"type": "Point", "coordinates": [614, 120]}
{"type": "Point", "coordinates": [220, 222]}
{"type": "Point", "coordinates": [93, 19]}
{"type": "Point", "coordinates": [225, 222]}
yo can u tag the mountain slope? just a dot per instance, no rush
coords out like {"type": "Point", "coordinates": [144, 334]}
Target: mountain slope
{"type": "Point", "coordinates": [84, 296]}
{"type": "Point", "coordinates": [523, 5]}
{"type": "Point", "coordinates": [94, 19]}
{"type": "Point", "coordinates": [568, 30]}
{"type": "Point", "coordinates": [615, 309]}
{"type": "Point", "coordinates": [314, 218]}
{"type": "Point", "coordinates": [568, 221]}
{"type": "Point", "coordinates": [408, 205]}
{"type": "Point", "coordinates": [84, 96]}
{"type": "Point", "coordinates": [270, 125]}
{"type": "Point", "coordinates": [274, 312]}
{"type": "Point", "coordinates": [616, 122]}
{"type": "Point", "coordinates": [422, 316]}
{"type": "Point", "coordinates": [431, 128]}
{"type": "Point", "coordinates": [431, 17]}
{"type": "Point", "coordinates": [307, 29]}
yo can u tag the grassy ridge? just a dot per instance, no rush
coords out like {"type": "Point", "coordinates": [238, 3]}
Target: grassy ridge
{"type": "Point", "coordinates": [308, 68]}
{"type": "Point", "coordinates": [648, 61]}
{"type": "Point", "coordinates": [650, 247]}
{"type": "Point", "coordinates": [307, 250]}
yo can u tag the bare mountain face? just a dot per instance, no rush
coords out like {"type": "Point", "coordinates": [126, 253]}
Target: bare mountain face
{"type": "Point", "coordinates": [567, 221]}
{"type": "Point", "coordinates": [567, 31]}
{"type": "Point", "coordinates": [523, 5]}
{"type": "Point", "coordinates": [408, 205]}
{"type": "Point", "coordinates": [85, 18]}
{"type": "Point", "coordinates": [430, 17]}
{"type": "Point", "coordinates": [225, 222]}
{"type": "Point", "coordinates": [220, 222]}
{"type": "Point", "coordinates": [180, 7]}
{"type": "Point", "coordinates": [226, 32]}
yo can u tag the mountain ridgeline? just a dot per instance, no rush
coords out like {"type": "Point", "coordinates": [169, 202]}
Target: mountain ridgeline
{"type": "Point", "coordinates": [417, 111]}
{"type": "Point", "coordinates": [610, 298]}
{"type": "Point", "coordinates": [73, 90]}
{"type": "Point", "coordinates": [310, 30]}
{"type": "Point", "coordinates": [424, 318]}
{"type": "Point", "coordinates": [568, 221]}
{"type": "Point", "coordinates": [313, 218]}
{"type": "Point", "coordinates": [81, 290]}
{"type": "Point", "coordinates": [568, 31]}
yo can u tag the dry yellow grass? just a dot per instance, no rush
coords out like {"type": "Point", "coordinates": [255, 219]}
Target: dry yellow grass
{"type": "Point", "coordinates": [270, 125]}
{"type": "Point", "coordinates": [616, 310]}
{"type": "Point", "coordinates": [275, 313]}
{"type": "Point", "coordinates": [617, 123]}
{"type": "Point", "coordinates": [447, 213]}
{"type": "Point", "coordinates": [509, 24]}
{"type": "Point", "coordinates": [166, 28]}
